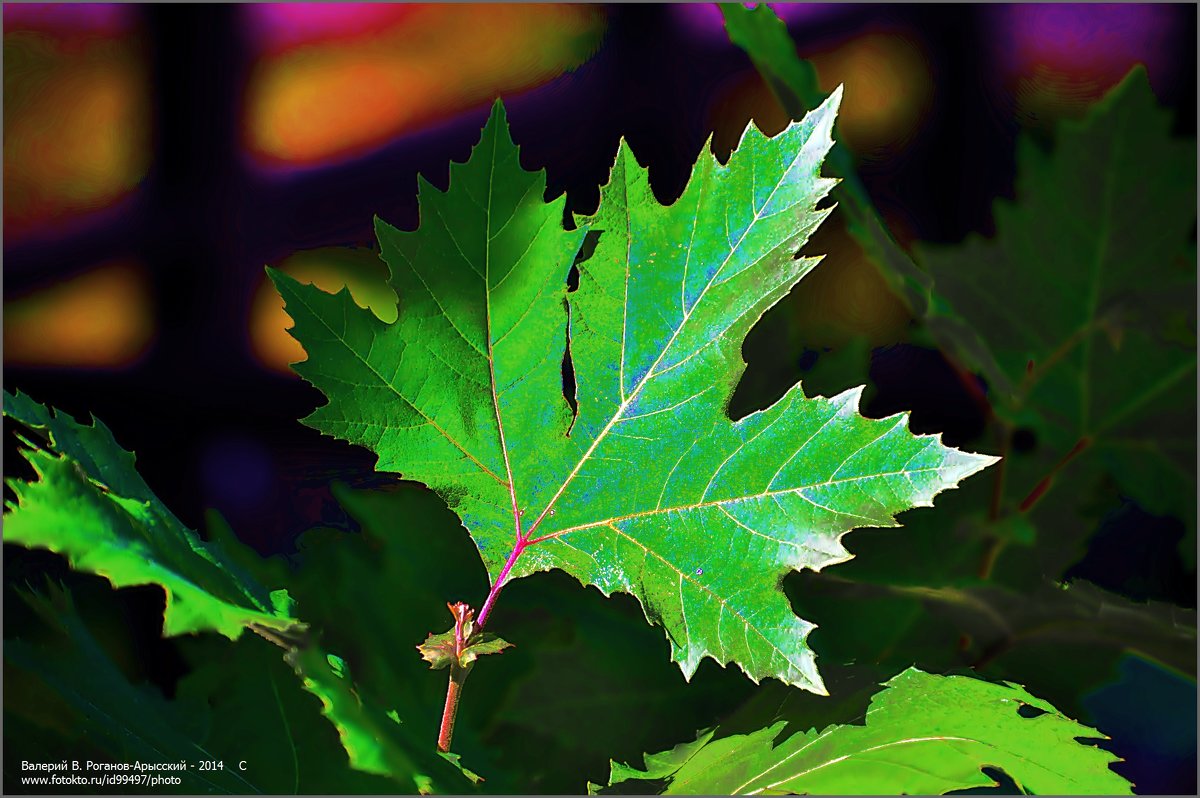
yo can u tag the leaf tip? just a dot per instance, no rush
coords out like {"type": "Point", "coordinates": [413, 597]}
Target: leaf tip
{"type": "Point", "coordinates": [969, 463]}
{"type": "Point", "coordinates": [498, 114]}
{"type": "Point", "coordinates": [497, 127]}
{"type": "Point", "coordinates": [280, 279]}
{"type": "Point", "coordinates": [834, 100]}
{"type": "Point", "coordinates": [849, 401]}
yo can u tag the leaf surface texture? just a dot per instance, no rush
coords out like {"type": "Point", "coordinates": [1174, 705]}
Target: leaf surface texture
{"type": "Point", "coordinates": [923, 735]}
{"type": "Point", "coordinates": [648, 487]}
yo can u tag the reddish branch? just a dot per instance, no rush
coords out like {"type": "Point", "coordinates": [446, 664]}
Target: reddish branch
{"type": "Point", "coordinates": [462, 614]}
{"type": "Point", "coordinates": [458, 675]}
{"type": "Point", "coordinates": [453, 694]}
{"type": "Point", "coordinates": [1039, 490]}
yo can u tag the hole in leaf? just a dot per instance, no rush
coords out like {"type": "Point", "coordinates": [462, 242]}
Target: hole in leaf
{"type": "Point", "coordinates": [588, 248]}
{"type": "Point", "coordinates": [1029, 711]}
{"type": "Point", "coordinates": [807, 360]}
{"type": "Point", "coordinates": [1004, 785]}
{"type": "Point", "coordinates": [568, 370]}
{"type": "Point", "coordinates": [1024, 439]}
{"type": "Point", "coordinates": [1136, 554]}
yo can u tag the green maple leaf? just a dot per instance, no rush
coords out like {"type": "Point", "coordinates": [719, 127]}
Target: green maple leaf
{"type": "Point", "coordinates": [650, 488]}
{"type": "Point", "coordinates": [923, 735]}
{"type": "Point", "coordinates": [1083, 303]}
{"type": "Point", "coordinates": [90, 505]}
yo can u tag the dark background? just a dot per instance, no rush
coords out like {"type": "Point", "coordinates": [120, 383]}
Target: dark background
{"type": "Point", "coordinates": [206, 222]}
{"type": "Point", "coordinates": [213, 428]}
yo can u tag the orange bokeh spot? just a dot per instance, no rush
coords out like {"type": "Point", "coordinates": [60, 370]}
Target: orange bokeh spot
{"type": "Point", "coordinates": [344, 96]}
{"type": "Point", "coordinates": [845, 295]}
{"type": "Point", "coordinates": [330, 269]}
{"type": "Point", "coordinates": [101, 319]}
{"type": "Point", "coordinates": [888, 90]}
{"type": "Point", "coordinates": [76, 124]}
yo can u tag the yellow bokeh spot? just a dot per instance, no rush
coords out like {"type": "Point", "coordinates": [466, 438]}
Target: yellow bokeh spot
{"type": "Point", "coordinates": [330, 269]}
{"type": "Point", "coordinates": [76, 125]}
{"type": "Point", "coordinates": [845, 296]}
{"type": "Point", "coordinates": [888, 90]}
{"type": "Point", "coordinates": [339, 98]}
{"type": "Point", "coordinates": [101, 319]}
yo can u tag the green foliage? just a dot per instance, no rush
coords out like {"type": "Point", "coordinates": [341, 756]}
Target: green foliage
{"type": "Point", "coordinates": [90, 505]}
{"type": "Point", "coordinates": [261, 713]}
{"type": "Point", "coordinates": [1082, 306]}
{"type": "Point", "coordinates": [376, 595]}
{"type": "Point", "coordinates": [376, 739]}
{"type": "Point", "coordinates": [925, 597]}
{"type": "Point", "coordinates": [1003, 633]}
{"type": "Point", "coordinates": [241, 703]}
{"type": "Point", "coordinates": [650, 485]}
{"type": "Point", "coordinates": [578, 654]}
{"type": "Point", "coordinates": [108, 714]}
{"type": "Point", "coordinates": [766, 40]}
{"type": "Point", "coordinates": [1080, 313]}
{"type": "Point", "coordinates": [647, 481]}
{"type": "Point", "coordinates": [1137, 439]}
{"type": "Point", "coordinates": [923, 734]}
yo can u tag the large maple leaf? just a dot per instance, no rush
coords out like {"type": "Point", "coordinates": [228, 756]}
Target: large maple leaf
{"type": "Point", "coordinates": [649, 488]}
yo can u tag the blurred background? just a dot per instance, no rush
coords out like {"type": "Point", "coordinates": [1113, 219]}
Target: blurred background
{"type": "Point", "coordinates": [157, 157]}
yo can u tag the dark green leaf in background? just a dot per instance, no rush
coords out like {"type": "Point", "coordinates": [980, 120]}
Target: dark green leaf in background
{"type": "Point", "coordinates": [1083, 304]}
{"type": "Point", "coordinates": [102, 712]}
{"type": "Point", "coordinates": [131, 538]}
{"type": "Point", "coordinates": [90, 505]}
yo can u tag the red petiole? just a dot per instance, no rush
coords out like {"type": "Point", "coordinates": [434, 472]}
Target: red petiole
{"type": "Point", "coordinates": [458, 675]}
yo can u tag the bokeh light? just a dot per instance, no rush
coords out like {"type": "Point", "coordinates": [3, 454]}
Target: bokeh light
{"type": "Point", "coordinates": [888, 93]}
{"type": "Point", "coordinates": [103, 318]}
{"type": "Point", "coordinates": [846, 296]}
{"type": "Point", "coordinates": [1056, 59]}
{"type": "Point", "coordinates": [336, 81]}
{"type": "Point", "coordinates": [76, 112]}
{"type": "Point", "coordinates": [330, 268]}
